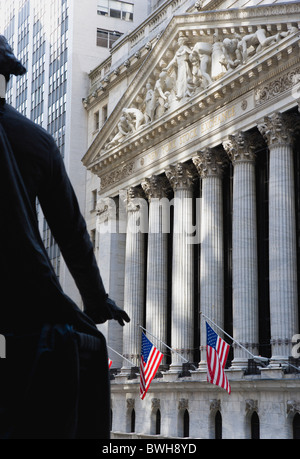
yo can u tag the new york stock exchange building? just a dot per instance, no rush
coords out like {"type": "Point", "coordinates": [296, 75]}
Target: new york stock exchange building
{"type": "Point", "coordinates": [194, 167]}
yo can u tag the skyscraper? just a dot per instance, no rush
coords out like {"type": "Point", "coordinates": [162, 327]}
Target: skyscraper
{"type": "Point", "coordinates": [60, 42]}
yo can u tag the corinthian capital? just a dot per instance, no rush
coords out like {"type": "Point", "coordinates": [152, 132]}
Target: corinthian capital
{"type": "Point", "coordinates": [156, 187]}
{"type": "Point", "coordinates": [210, 162]}
{"type": "Point", "coordinates": [135, 199]}
{"type": "Point", "coordinates": [181, 175]}
{"type": "Point", "coordinates": [242, 146]}
{"type": "Point", "coordinates": [279, 128]}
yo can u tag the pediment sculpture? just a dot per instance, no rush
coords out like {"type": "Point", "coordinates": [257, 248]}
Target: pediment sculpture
{"type": "Point", "coordinates": [194, 66]}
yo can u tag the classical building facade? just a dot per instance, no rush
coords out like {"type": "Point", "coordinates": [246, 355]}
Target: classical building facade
{"type": "Point", "coordinates": [195, 177]}
{"type": "Point", "coordinates": [51, 38]}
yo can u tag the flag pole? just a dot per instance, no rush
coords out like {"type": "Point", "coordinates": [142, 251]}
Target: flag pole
{"type": "Point", "coordinates": [172, 350]}
{"type": "Point", "coordinates": [255, 357]}
{"type": "Point", "coordinates": [120, 355]}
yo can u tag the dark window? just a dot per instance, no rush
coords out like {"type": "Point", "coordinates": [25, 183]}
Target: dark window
{"type": "Point", "coordinates": [115, 9]}
{"type": "Point", "coordinates": [186, 424]}
{"type": "Point", "coordinates": [296, 427]}
{"type": "Point", "coordinates": [158, 422]}
{"type": "Point", "coordinates": [113, 36]}
{"type": "Point", "coordinates": [102, 38]}
{"type": "Point", "coordinates": [218, 426]}
{"type": "Point", "coordinates": [106, 38]}
{"type": "Point", "coordinates": [132, 425]}
{"type": "Point", "coordinates": [254, 426]}
{"type": "Point", "coordinates": [262, 206]}
{"type": "Point", "coordinates": [115, 13]}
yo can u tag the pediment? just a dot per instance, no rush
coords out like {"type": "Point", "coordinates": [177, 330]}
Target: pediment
{"type": "Point", "coordinates": [194, 68]}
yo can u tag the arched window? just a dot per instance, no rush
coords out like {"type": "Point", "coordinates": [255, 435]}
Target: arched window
{"type": "Point", "coordinates": [296, 427]}
{"type": "Point", "coordinates": [218, 426]}
{"type": "Point", "coordinates": [132, 424]}
{"type": "Point", "coordinates": [157, 422]}
{"type": "Point", "coordinates": [186, 424]}
{"type": "Point", "coordinates": [255, 426]}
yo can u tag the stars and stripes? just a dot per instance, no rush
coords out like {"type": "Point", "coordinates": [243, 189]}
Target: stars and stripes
{"type": "Point", "coordinates": [216, 352]}
{"type": "Point", "coordinates": [150, 361]}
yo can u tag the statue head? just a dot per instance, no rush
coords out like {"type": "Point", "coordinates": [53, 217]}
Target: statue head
{"type": "Point", "coordinates": [9, 64]}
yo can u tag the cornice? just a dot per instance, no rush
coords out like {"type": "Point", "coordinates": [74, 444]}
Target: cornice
{"type": "Point", "coordinates": [220, 94]}
{"type": "Point", "coordinates": [113, 78]}
{"type": "Point", "coordinates": [137, 45]}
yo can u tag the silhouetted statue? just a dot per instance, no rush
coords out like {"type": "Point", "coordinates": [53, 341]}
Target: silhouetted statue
{"type": "Point", "coordinates": [54, 381]}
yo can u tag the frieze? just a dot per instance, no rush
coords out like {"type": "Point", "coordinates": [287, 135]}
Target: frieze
{"type": "Point", "coordinates": [117, 175]}
{"type": "Point", "coordinates": [281, 84]}
{"type": "Point", "coordinates": [180, 142]}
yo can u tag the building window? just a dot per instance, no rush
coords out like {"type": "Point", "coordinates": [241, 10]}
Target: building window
{"type": "Point", "coordinates": [157, 423]}
{"type": "Point", "coordinates": [96, 121]}
{"type": "Point", "coordinates": [106, 38]}
{"type": "Point", "coordinates": [132, 423]}
{"type": "Point", "coordinates": [94, 200]}
{"type": "Point", "coordinates": [115, 9]}
{"type": "Point", "coordinates": [186, 424]}
{"type": "Point", "coordinates": [104, 114]}
{"type": "Point", "coordinates": [218, 426]}
{"type": "Point", "coordinates": [296, 427]}
{"type": "Point", "coordinates": [254, 426]}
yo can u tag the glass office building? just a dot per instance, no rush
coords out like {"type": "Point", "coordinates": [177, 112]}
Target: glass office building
{"type": "Point", "coordinates": [60, 42]}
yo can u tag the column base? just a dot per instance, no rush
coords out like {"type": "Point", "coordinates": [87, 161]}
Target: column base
{"type": "Point", "coordinates": [203, 365]}
{"type": "Point", "coordinates": [199, 375]}
{"type": "Point", "coordinates": [128, 372]}
{"type": "Point", "coordinates": [169, 376]}
{"type": "Point", "coordinates": [175, 368]}
{"type": "Point", "coordinates": [272, 373]}
{"type": "Point", "coordinates": [278, 362]}
{"type": "Point", "coordinates": [235, 374]}
{"type": "Point", "coordinates": [239, 364]}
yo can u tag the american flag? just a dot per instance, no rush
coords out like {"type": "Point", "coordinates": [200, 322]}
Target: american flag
{"type": "Point", "coordinates": [150, 361]}
{"type": "Point", "coordinates": [216, 352]}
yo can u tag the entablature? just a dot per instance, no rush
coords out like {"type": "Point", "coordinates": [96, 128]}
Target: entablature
{"type": "Point", "coordinates": [234, 57]}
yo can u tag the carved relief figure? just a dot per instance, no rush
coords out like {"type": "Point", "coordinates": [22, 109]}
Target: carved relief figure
{"type": "Point", "coordinates": [232, 53]}
{"type": "Point", "coordinates": [203, 51]}
{"type": "Point", "coordinates": [196, 81]}
{"type": "Point", "coordinates": [135, 118]}
{"type": "Point", "coordinates": [257, 41]}
{"type": "Point", "coordinates": [124, 128]}
{"type": "Point", "coordinates": [181, 63]}
{"type": "Point", "coordinates": [150, 103]}
{"type": "Point", "coordinates": [192, 69]}
{"type": "Point", "coordinates": [161, 96]}
{"type": "Point", "coordinates": [218, 67]}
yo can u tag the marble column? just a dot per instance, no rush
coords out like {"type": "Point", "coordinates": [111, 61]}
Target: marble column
{"type": "Point", "coordinates": [181, 177]}
{"type": "Point", "coordinates": [278, 131]}
{"type": "Point", "coordinates": [157, 190]}
{"type": "Point", "coordinates": [111, 260]}
{"type": "Point", "coordinates": [134, 283]}
{"type": "Point", "coordinates": [210, 163]}
{"type": "Point", "coordinates": [241, 151]}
